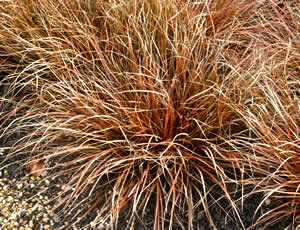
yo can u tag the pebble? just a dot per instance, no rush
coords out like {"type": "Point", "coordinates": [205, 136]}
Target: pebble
{"type": "Point", "coordinates": [25, 201]}
{"type": "Point", "coordinates": [30, 223]}
{"type": "Point", "coordinates": [44, 173]}
{"type": "Point", "coordinates": [5, 188]}
{"type": "Point", "coordinates": [19, 186]}
{"type": "Point", "coordinates": [20, 208]}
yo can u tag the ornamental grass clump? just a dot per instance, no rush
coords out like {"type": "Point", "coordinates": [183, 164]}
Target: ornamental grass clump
{"type": "Point", "coordinates": [141, 103]}
{"type": "Point", "coordinates": [272, 151]}
{"type": "Point", "coordinates": [274, 120]}
{"type": "Point", "coordinates": [272, 116]}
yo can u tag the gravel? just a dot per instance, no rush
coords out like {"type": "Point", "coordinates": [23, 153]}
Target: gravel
{"type": "Point", "coordinates": [20, 207]}
{"type": "Point", "coordinates": [24, 200]}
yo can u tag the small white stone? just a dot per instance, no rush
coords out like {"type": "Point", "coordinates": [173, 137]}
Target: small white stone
{"type": "Point", "coordinates": [19, 186]}
{"type": "Point", "coordinates": [38, 216]}
{"type": "Point", "coordinates": [44, 174]}
{"type": "Point", "coordinates": [13, 216]}
{"type": "Point", "coordinates": [34, 207]}
{"type": "Point", "coordinates": [102, 226]}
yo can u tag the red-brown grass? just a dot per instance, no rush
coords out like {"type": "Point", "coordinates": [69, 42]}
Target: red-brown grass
{"type": "Point", "coordinates": [272, 115]}
{"type": "Point", "coordinates": [148, 101]}
{"type": "Point", "coordinates": [274, 120]}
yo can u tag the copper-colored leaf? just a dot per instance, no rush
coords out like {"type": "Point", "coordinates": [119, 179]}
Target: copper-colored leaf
{"type": "Point", "coordinates": [35, 168]}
